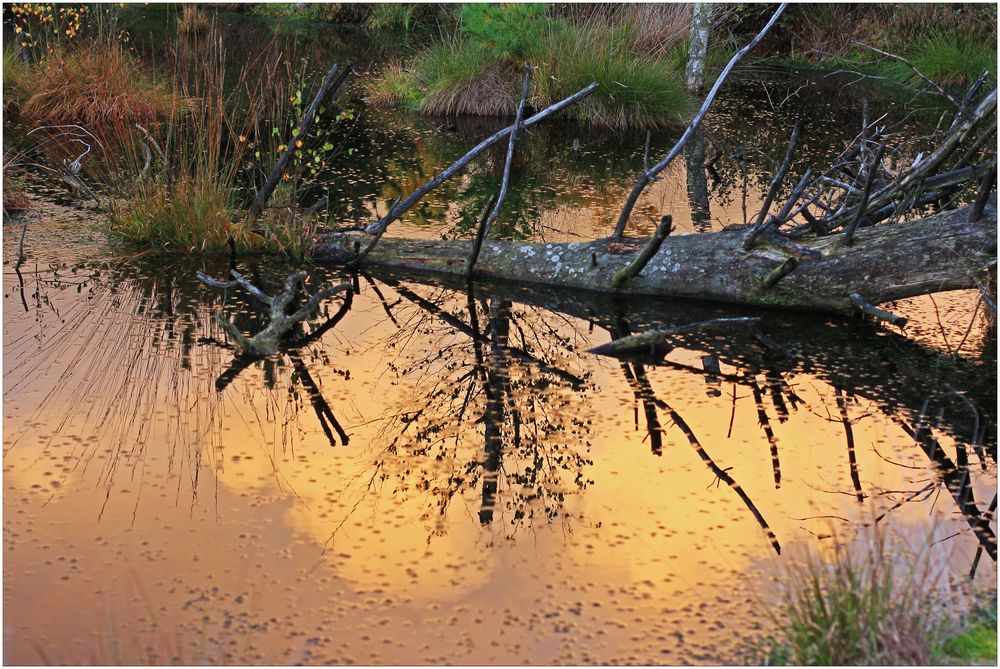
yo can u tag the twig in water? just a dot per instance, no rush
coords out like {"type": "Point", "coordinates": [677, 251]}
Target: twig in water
{"type": "Point", "coordinates": [20, 246]}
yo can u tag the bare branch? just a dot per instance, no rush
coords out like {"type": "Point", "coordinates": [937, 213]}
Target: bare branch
{"type": "Point", "coordinates": [404, 206]}
{"type": "Point", "coordinates": [933, 84]}
{"type": "Point", "coordinates": [647, 176]}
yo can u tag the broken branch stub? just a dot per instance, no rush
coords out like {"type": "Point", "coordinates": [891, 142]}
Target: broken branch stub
{"type": "Point", "coordinates": [645, 255]}
{"type": "Point", "coordinates": [268, 341]}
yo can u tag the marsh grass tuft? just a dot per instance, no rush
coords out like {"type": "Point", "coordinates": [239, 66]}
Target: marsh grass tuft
{"type": "Point", "coordinates": [192, 21]}
{"type": "Point", "coordinates": [476, 69]}
{"type": "Point", "coordinates": [395, 86]}
{"type": "Point", "coordinates": [94, 86]}
{"type": "Point", "coordinates": [635, 89]}
{"type": "Point", "coordinates": [875, 601]}
{"type": "Point", "coordinates": [190, 215]}
{"type": "Point", "coordinates": [949, 58]}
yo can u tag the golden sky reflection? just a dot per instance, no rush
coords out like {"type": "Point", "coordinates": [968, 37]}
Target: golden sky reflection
{"type": "Point", "coordinates": [230, 517]}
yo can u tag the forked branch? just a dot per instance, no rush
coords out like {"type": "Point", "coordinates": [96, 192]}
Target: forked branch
{"type": "Point", "coordinates": [268, 341]}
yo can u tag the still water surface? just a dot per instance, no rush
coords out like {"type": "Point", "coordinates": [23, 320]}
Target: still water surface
{"type": "Point", "coordinates": [445, 474]}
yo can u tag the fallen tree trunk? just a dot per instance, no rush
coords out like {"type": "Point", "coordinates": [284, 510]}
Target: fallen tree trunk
{"type": "Point", "coordinates": [945, 251]}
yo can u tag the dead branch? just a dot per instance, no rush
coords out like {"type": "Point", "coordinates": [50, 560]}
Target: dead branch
{"type": "Point", "coordinates": [336, 76]}
{"type": "Point", "coordinates": [865, 193]}
{"type": "Point", "coordinates": [404, 206]}
{"type": "Point", "coordinates": [268, 341]}
{"type": "Point", "coordinates": [649, 175]}
{"type": "Point", "coordinates": [484, 227]}
{"type": "Point", "coordinates": [987, 185]}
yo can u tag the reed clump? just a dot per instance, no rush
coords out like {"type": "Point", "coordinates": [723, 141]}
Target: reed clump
{"type": "Point", "coordinates": [15, 200]}
{"type": "Point", "coordinates": [95, 86]}
{"type": "Point", "coordinates": [876, 601]}
{"type": "Point", "coordinates": [192, 21]}
{"type": "Point", "coordinates": [475, 68]}
{"type": "Point", "coordinates": [189, 215]}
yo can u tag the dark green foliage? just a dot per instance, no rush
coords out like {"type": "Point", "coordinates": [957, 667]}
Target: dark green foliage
{"type": "Point", "coordinates": [507, 30]}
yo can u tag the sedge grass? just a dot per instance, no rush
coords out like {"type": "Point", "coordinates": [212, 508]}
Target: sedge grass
{"type": "Point", "coordinates": [96, 87]}
{"type": "Point", "coordinates": [191, 216]}
{"type": "Point", "coordinates": [950, 58]}
{"type": "Point", "coordinates": [477, 70]}
{"type": "Point", "coordinates": [635, 89]}
{"type": "Point", "coordinates": [875, 601]}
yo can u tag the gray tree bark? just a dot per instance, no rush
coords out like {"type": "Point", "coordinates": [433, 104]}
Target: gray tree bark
{"type": "Point", "coordinates": [941, 252]}
{"type": "Point", "coordinates": [701, 21]}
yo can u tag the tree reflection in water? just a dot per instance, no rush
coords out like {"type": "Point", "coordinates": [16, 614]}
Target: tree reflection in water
{"type": "Point", "coordinates": [501, 396]}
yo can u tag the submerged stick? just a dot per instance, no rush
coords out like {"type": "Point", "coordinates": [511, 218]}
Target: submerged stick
{"type": "Point", "coordinates": [20, 246]}
{"type": "Point", "coordinates": [655, 341]}
{"type": "Point", "coordinates": [267, 341]}
{"type": "Point", "coordinates": [870, 309]}
{"type": "Point", "coordinates": [723, 474]}
{"type": "Point", "coordinates": [645, 255]}
{"type": "Point", "coordinates": [648, 176]}
{"type": "Point", "coordinates": [404, 206]}
{"type": "Point", "coordinates": [852, 458]}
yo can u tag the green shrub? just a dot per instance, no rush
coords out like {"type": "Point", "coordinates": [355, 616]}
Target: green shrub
{"type": "Point", "coordinates": [507, 30]}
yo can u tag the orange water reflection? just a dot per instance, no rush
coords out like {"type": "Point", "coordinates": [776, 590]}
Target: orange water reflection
{"type": "Point", "coordinates": [498, 500]}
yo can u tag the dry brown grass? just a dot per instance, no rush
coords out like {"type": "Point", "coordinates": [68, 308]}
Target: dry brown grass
{"type": "Point", "coordinates": [487, 95]}
{"type": "Point", "coordinates": [653, 28]}
{"type": "Point", "coordinates": [14, 198]}
{"type": "Point", "coordinates": [94, 87]}
{"type": "Point", "coordinates": [193, 21]}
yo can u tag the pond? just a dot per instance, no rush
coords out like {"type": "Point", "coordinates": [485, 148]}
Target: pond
{"type": "Point", "coordinates": [443, 473]}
